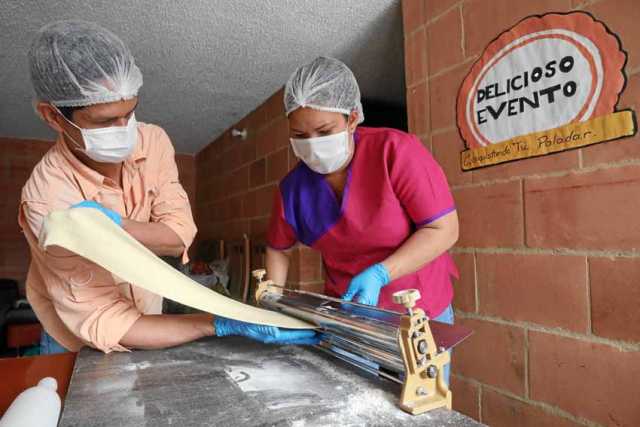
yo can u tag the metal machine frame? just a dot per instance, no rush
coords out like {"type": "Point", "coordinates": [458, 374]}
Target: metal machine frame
{"type": "Point", "coordinates": [400, 347]}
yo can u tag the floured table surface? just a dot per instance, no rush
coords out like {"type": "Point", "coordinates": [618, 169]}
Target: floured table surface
{"type": "Point", "coordinates": [233, 382]}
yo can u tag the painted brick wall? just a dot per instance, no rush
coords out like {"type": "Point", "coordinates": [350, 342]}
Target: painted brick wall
{"type": "Point", "coordinates": [549, 247]}
{"type": "Point", "coordinates": [17, 160]}
{"type": "Point", "coordinates": [236, 182]}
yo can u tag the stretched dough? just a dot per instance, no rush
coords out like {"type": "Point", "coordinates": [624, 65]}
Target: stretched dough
{"type": "Point", "coordinates": [90, 234]}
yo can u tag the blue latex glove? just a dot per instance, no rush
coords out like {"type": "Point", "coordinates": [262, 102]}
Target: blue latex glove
{"type": "Point", "coordinates": [365, 287]}
{"type": "Point", "coordinates": [114, 216]}
{"type": "Point", "coordinates": [265, 334]}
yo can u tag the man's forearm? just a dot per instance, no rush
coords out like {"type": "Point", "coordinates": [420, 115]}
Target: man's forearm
{"type": "Point", "coordinates": [151, 332]}
{"type": "Point", "coordinates": [158, 237]}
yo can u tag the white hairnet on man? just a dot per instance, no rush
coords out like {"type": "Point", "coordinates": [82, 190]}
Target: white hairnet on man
{"type": "Point", "coordinates": [78, 63]}
{"type": "Point", "coordinates": [324, 84]}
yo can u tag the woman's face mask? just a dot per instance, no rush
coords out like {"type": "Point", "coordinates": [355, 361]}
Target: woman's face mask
{"type": "Point", "coordinates": [108, 145]}
{"type": "Point", "coordinates": [324, 154]}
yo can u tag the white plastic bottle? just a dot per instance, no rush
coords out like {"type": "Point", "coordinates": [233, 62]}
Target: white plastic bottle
{"type": "Point", "coordinates": [37, 406]}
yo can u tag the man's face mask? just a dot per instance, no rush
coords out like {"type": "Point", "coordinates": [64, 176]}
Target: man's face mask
{"type": "Point", "coordinates": [108, 145]}
{"type": "Point", "coordinates": [323, 154]}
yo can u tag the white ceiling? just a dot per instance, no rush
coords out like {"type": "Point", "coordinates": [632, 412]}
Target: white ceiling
{"type": "Point", "coordinates": [206, 64]}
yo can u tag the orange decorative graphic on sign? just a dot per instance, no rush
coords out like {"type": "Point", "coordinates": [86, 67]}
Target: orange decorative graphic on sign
{"type": "Point", "coordinates": [546, 72]}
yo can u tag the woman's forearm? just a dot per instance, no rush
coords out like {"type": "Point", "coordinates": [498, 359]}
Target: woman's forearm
{"type": "Point", "coordinates": [151, 332]}
{"type": "Point", "coordinates": [157, 237]}
{"type": "Point", "coordinates": [424, 245]}
{"type": "Point", "coordinates": [277, 265]}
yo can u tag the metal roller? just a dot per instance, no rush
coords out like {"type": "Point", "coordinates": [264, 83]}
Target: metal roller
{"type": "Point", "coordinates": [405, 348]}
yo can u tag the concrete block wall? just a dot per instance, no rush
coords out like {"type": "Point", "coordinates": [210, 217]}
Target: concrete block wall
{"type": "Point", "coordinates": [549, 248]}
{"type": "Point", "coordinates": [236, 183]}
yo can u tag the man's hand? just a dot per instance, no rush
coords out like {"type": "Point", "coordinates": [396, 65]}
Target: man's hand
{"type": "Point", "coordinates": [265, 334]}
{"type": "Point", "coordinates": [114, 216]}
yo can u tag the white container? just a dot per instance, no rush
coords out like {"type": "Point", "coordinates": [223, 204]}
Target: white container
{"type": "Point", "coordinates": [37, 406]}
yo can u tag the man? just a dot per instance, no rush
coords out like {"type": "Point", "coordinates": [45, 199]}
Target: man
{"type": "Point", "coordinates": [86, 83]}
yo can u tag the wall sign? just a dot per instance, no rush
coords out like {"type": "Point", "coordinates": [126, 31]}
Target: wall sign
{"type": "Point", "coordinates": [549, 84]}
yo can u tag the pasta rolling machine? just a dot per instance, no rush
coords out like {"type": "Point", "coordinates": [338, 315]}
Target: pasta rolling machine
{"type": "Point", "coordinates": [406, 348]}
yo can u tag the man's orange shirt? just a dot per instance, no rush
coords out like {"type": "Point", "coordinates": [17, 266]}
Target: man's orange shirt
{"type": "Point", "coordinates": [78, 302]}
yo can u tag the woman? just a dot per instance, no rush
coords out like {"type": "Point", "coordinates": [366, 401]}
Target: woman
{"type": "Point", "coordinates": [373, 201]}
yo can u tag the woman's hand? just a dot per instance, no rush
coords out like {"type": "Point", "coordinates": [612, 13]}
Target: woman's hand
{"type": "Point", "coordinates": [365, 287]}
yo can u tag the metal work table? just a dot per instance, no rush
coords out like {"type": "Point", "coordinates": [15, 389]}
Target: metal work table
{"type": "Point", "coordinates": [233, 382]}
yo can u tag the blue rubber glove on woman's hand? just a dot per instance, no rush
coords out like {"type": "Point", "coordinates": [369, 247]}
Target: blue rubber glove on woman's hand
{"type": "Point", "coordinates": [365, 287]}
{"type": "Point", "coordinates": [265, 334]}
{"type": "Point", "coordinates": [114, 216]}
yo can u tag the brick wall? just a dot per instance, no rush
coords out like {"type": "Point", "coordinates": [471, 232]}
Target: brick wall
{"type": "Point", "coordinates": [16, 162]}
{"type": "Point", "coordinates": [236, 181]}
{"type": "Point", "coordinates": [548, 248]}
{"type": "Point", "coordinates": [19, 156]}
{"type": "Point", "coordinates": [187, 171]}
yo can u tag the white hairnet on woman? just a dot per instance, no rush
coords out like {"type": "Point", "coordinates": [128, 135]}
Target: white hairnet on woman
{"type": "Point", "coordinates": [78, 63]}
{"type": "Point", "coordinates": [324, 84]}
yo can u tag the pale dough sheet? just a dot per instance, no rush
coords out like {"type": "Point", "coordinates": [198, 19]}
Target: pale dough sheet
{"type": "Point", "coordinates": [90, 234]}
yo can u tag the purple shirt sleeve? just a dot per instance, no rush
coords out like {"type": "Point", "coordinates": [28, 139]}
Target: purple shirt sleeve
{"type": "Point", "coordinates": [419, 182]}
